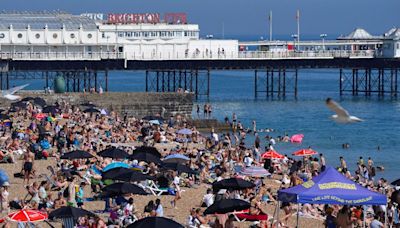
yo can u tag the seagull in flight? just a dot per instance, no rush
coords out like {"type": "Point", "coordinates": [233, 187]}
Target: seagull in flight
{"type": "Point", "coordinates": [342, 115]}
{"type": "Point", "coordinates": [9, 94]}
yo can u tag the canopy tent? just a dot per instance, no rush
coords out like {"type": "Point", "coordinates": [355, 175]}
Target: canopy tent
{"type": "Point", "coordinates": [331, 187]}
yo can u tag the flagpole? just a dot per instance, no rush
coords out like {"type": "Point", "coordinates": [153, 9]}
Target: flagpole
{"type": "Point", "coordinates": [270, 25]}
{"type": "Point", "coordinates": [298, 29]}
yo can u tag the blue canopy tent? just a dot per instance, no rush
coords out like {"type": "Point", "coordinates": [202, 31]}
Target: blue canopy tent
{"type": "Point", "coordinates": [331, 187]}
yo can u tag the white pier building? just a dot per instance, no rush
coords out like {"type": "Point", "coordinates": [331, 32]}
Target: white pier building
{"type": "Point", "coordinates": [150, 36]}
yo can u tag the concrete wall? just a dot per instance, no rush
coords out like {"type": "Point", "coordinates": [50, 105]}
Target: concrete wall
{"type": "Point", "coordinates": [133, 104]}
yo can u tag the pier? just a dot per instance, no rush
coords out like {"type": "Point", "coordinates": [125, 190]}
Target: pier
{"type": "Point", "coordinates": [172, 55]}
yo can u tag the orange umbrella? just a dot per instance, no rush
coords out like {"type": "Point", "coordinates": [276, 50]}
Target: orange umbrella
{"type": "Point", "coordinates": [27, 215]}
{"type": "Point", "coordinates": [305, 152]}
{"type": "Point", "coordinates": [272, 154]}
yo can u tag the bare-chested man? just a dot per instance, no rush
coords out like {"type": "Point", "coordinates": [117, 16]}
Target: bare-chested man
{"type": "Point", "coordinates": [29, 157]}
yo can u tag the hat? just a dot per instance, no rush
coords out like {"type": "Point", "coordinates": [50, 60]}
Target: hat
{"type": "Point", "coordinates": [6, 184]}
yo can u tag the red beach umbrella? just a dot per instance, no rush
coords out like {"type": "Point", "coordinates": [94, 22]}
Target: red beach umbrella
{"type": "Point", "coordinates": [272, 154]}
{"type": "Point", "coordinates": [26, 215]}
{"type": "Point", "coordinates": [305, 152]}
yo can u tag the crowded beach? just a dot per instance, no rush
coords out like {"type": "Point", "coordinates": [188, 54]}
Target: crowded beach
{"type": "Point", "coordinates": [84, 166]}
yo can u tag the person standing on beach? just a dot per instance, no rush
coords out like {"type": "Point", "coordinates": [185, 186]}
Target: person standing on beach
{"type": "Point", "coordinates": [322, 162]}
{"type": "Point", "coordinates": [343, 165]}
{"type": "Point", "coordinates": [198, 111]}
{"type": "Point", "coordinates": [29, 157]}
{"type": "Point", "coordinates": [234, 122]}
{"type": "Point", "coordinates": [254, 127]}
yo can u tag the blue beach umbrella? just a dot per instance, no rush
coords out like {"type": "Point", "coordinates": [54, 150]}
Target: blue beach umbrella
{"type": "Point", "coordinates": [176, 158]}
{"type": "Point", "coordinates": [3, 177]}
{"type": "Point", "coordinates": [184, 131]}
{"type": "Point", "coordinates": [116, 165]}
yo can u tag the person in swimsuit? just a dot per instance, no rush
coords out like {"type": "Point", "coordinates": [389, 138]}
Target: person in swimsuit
{"type": "Point", "coordinates": [29, 157]}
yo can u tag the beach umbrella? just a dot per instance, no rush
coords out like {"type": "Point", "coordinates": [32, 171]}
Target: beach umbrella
{"type": "Point", "coordinates": [148, 149]}
{"type": "Point", "coordinates": [70, 212]}
{"type": "Point", "coordinates": [184, 131]}
{"type": "Point", "coordinates": [133, 176]}
{"type": "Point", "coordinates": [146, 157]}
{"type": "Point", "coordinates": [114, 153]}
{"type": "Point", "coordinates": [77, 154]}
{"type": "Point", "coordinates": [88, 104]}
{"type": "Point", "coordinates": [27, 215]}
{"type": "Point", "coordinates": [227, 205]}
{"type": "Point", "coordinates": [396, 182]}
{"type": "Point", "coordinates": [39, 101]}
{"type": "Point", "coordinates": [179, 168]}
{"type": "Point", "coordinates": [298, 138]}
{"type": "Point", "coordinates": [27, 99]}
{"type": "Point", "coordinates": [155, 222]}
{"type": "Point", "coordinates": [232, 183]}
{"type": "Point", "coordinates": [255, 171]}
{"type": "Point", "coordinates": [148, 118]}
{"type": "Point", "coordinates": [2, 110]}
{"type": "Point", "coordinates": [3, 177]}
{"type": "Point", "coordinates": [305, 152]}
{"type": "Point", "coordinates": [50, 109]}
{"type": "Point", "coordinates": [395, 197]}
{"type": "Point", "coordinates": [91, 110]}
{"type": "Point", "coordinates": [19, 104]}
{"type": "Point", "coordinates": [121, 188]}
{"type": "Point", "coordinates": [176, 158]}
{"type": "Point", "coordinates": [115, 165]}
{"type": "Point", "coordinates": [125, 174]}
{"type": "Point", "coordinates": [4, 116]}
{"type": "Point", "coordinates": [272, 154]}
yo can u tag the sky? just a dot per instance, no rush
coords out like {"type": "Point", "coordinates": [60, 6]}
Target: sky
{"type": "Point", "coordinates": [246, 17]}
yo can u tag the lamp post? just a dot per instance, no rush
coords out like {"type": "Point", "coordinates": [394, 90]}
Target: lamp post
{"type": "Point", "coordinates": [323, 40]}
{"type": "Point", "coordinates": [294, 36]}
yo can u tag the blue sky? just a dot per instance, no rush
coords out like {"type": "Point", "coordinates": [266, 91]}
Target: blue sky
{"type": "Point", "coordinates": [246, 17]}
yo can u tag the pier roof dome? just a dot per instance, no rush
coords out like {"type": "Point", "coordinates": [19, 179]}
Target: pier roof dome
{"type": "Point", "coordinates": [394, 35]}
{"type": "Point", "coordinates": [39, 20]}
{"type": "Point", "coordinates": [359, 34]}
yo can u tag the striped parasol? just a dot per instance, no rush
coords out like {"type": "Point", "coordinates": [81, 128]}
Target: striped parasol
{"type": "Point", "coordinates": [26, 215]}
{"type": "Point", "coordinates": [255, 171]}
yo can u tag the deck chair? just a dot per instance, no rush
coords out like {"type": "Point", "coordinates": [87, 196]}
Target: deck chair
{"type": "Point", "coordinates": [155, 189]}
{"type": "Point", "coordinates": [49, 178]}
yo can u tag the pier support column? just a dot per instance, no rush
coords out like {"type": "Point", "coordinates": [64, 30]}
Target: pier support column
{"type": "Point", "coordinates": [275, 82]}
{"type": "Point", "coordinates": [255, 84]}
{"type": "Point", "coordinates": [95, 81]}
{"type": "Point", "coordinates": [106, 78]}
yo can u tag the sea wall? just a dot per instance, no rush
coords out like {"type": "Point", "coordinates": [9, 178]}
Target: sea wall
{"type": "Point", "coordinates": [133, 104]}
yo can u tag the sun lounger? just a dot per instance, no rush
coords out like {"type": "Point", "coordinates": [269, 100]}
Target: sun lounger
{"type": "Point", "coordinates": [156, 190]}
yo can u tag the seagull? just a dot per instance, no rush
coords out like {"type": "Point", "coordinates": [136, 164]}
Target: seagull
{"type": "Point", "coordinates": [342, 116]}
{"type": "Point", "coordinates": [9, 94]}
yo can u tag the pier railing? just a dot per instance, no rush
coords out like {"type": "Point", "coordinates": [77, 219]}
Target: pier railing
{"type": "Point", "coordinates": [241, 55]}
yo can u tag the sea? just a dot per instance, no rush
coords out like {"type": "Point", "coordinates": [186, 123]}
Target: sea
{"type": "Point", "coordinates": [231, 92]}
